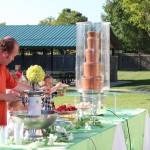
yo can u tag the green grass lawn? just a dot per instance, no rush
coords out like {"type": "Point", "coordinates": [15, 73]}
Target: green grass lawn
{"type": "Point", "coordinates": [140, 80]}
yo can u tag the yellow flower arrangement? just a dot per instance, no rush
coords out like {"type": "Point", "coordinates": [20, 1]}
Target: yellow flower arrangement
{"type": "Point", "coordinates": [35, 73]}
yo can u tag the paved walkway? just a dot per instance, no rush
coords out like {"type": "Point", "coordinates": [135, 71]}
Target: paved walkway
{"type": "Point", "coordinates": [72, 86]}
{"type": "Point", "coordinates": [124, 90]}
{"type": "Point", "coordinates": [118, 83]}
{"type": "Point", "coordinates": [129, 91]}
{"type": "Point", "coordinates": [111, 83]}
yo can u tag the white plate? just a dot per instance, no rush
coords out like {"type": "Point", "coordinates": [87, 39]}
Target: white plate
{"type": "Point", "coordinates": [84, 108]}
{"type": "Point", "coordinates": [67, 112]}
{"type": "Point", "coordinates": [64, 85]}
{"type": "Point", "coordinates": [60, 120]}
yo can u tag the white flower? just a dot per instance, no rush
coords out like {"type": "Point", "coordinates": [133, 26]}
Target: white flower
{"type": "Point", "coordinates": [87, 127]}
{"type": "Point", "coordinates": [52, 139]}
{"type": "Point", "coordinates": [60, 129]}
{"type": "Point", "coordinates": [50, 142]}
{"type": "Point", "coordinates": [70, 137]}
{"type": "Point", "coordinates": [43, 130]}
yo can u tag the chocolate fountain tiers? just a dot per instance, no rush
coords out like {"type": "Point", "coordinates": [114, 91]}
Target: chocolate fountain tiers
{"type": "Point", "coordinates": [92, 57]}
{"type": "Point", "coordinates": [92, 83]}
{"type": "Point", "coordinates": [92, 64]}
{"type": "Point", "coordinates": [92, 69]}
{"type": "Point", "coordinates": [93, 40]}
{"type": "Point", "coordinates": [92, 79]}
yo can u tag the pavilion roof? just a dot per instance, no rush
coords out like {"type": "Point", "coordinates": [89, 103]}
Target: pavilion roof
{"type": "Point", "coordinates": [46, 36]}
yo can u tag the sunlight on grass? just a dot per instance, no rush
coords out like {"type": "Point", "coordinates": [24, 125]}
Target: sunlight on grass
{"type": "Point", "coordinates": [124, 100]}
{"type": "Point", "coordinates": [140, 81]}
{"type": "Point", "coordinates": [133, 75]}
{"type": "Point", "coordinates": [130, 100]}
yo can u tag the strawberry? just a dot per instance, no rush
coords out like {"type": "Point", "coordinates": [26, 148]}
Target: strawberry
{"type": "Point", "coordinates": [65, 108]}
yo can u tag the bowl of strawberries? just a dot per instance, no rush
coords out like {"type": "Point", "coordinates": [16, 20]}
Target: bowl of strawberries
{"type": "Point", "coordinates": [67, 111]}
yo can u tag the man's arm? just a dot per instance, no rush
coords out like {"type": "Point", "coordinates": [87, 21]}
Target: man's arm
{"type": "Point", "coordinates": [10, 97]}
{"type": "Point", "coordinates": [21, 87]}
{"type": "Point", "coordinates": [14, 96]}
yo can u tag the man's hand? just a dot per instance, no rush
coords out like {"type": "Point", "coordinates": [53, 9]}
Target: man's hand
{"type": "Point", "coordinates": [10, 97]}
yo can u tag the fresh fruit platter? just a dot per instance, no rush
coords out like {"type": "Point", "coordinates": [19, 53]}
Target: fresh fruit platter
{"type": "Point", "coordinates": [66, 109]}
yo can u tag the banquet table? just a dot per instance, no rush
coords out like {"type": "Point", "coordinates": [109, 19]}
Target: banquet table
{"type": "Point", "coordinates": [122, 130]}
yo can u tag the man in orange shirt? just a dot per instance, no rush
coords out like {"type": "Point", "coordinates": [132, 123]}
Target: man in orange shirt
{"type": "Point", "coordinates": [8, 50]}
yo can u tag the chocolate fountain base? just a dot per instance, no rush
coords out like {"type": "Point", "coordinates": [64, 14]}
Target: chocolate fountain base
{"type": "Point", "coordinates": [46, 119]}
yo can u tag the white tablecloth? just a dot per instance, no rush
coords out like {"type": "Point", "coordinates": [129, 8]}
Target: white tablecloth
{"type": "Point", "coordinates": [146, 144]}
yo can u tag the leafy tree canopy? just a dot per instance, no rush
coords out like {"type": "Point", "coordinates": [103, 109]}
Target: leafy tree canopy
{"type": "Point", "coordinates": [47, 21]}
{"type": "Point", "coordinates": [66, 17]}
{"type": "Point", "coordinates": [131, 37]}
{"type": "Point", "coordinates": [2, 24]}
{"type": "Point", "coordinates": [139, 12]}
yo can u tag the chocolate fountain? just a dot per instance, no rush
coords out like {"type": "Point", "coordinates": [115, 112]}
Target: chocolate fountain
{"type": "Point", "coordinates": [93, 63]}
{"type": "Point", "coordinates": [34, 118]}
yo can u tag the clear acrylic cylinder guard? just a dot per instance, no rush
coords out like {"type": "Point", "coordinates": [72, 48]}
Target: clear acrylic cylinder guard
{"type": "Point", "coordinates": [92, 57]}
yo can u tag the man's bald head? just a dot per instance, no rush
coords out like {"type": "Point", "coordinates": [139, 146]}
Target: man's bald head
{"type": "Point", "coordinates": [7, 44]}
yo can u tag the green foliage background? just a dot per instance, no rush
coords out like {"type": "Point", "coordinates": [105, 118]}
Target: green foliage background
{"type": "Point", "coordinates": [132, 38]}
{"type": "Point", "coordinates": [66, 17]}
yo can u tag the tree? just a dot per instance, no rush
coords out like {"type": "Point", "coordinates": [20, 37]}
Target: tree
{"type": "Point", "coordinates": [66, 17]}
{"type": "Point", "coordinates": [70, 17]}
{"type": "Point", "coordinates": [131, 37]}
{"type": "Point", "coordinates": [47, 21]}
{"type": "Point", "coordinates": [139, 12]}
{"type": "Point", "coordinates": [2, 24]}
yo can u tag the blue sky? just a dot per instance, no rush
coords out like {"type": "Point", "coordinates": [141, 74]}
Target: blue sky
{"type": "Point", "coordinates": [23, 12]}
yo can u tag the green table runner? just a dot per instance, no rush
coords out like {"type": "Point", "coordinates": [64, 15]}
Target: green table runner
{"type": "Point", "coordinates": [101, 138]}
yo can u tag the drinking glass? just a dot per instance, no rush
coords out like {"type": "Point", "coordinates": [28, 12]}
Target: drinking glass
{"type": "Point", "coordinates": [18, 133]}
{"type": "Point", "coordinates": [3, 134]}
